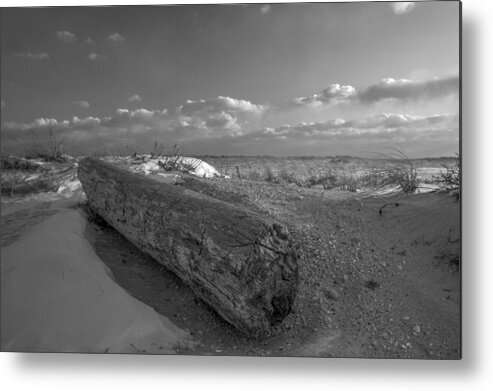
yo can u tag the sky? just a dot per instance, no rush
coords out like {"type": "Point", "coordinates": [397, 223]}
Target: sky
{"type": "Point", "coordinates": [257, 79]}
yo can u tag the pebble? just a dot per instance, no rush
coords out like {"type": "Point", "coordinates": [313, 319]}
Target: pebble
{"type": "Point", "coordinates": [405, 318]}
{"type": "Point", "coordinates": [345, 278]}
{"type": "Point", "coordinates": [417, 329]}
{"type": "Point", "coordinates": [333, 294]}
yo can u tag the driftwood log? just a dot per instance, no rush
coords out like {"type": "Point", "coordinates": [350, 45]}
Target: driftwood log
{"type": "Point", "coordinates": [237, 261]}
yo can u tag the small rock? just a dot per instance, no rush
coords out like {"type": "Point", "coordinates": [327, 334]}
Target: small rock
{"type": "Point", "coordinates": [333, 294]}
{"type": "Point", "coordinates": [405, 318]}
{"type": "Point", "coordinates": [345, 278]}
{"type": "Point", "coordinates": [417, 329]}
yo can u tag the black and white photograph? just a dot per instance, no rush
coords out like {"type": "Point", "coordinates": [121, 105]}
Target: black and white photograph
{"type": "Point", "coordinates": [254, 180]}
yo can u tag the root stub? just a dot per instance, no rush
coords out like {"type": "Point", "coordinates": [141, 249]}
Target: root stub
{"type": "Point", "coordinates": [239, 262]}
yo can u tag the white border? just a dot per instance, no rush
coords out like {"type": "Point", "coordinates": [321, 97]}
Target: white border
{"type": "Point", "coordinates": [474, 372]}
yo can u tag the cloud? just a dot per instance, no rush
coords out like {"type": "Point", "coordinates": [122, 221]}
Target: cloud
{"type": "Point", "coordinates": [265, 9]}
{"type": "Point", "coordinates": [89, 41]}
{"type": "Point", "coordinates": [224, 124]}
{"type": "Point", "coordinates": [139, 116]}
{"type": "Point", "coordinates": [221, 131]}
{"type": "Point", "coordinates": [238, 107]}
{"type": "Point", "coordinates": [220, 116]}
{"type": "Point", "coordinates": [34, 56]}
{"type": "Point", "coordinates": [434, 135]}
{"type": "Point", "coordinates": [386, 89]}
{"type": "Point", "coordinates": [402, 7]}
{"type": "Point", "coordinates": [2, 103]}
{"type": "Point", "coordinates": [116, 38]}
{"type": "Point", "coordinates": [94, 57]}
{"type": "Point", "coordinates": [223, 121]}
{"type": "Point", "coordinates": [135, 98]}
{"type": "Point", "coordinates": [333, 94]}
{"type": "Point", "coordinates": [404, 89]}
{"type": "Point", "coordinates": [66, 36]}
{"type": "Point", "coordinates": [83, 104]}
{"type": "Point", "coordinates": [195, 120]}
{"type": "Point", "coordinates": [377, 125]}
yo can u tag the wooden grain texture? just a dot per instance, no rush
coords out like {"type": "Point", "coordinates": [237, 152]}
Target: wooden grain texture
{"type": "Point", "coordinates": [239, 262]}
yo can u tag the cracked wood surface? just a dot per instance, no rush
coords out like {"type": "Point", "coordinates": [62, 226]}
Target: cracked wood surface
{"type": "Point", "coordinates": [238, 261]}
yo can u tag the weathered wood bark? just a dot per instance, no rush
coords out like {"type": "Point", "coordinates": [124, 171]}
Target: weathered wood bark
{"type": "Point", "coordinates": [239, 262]}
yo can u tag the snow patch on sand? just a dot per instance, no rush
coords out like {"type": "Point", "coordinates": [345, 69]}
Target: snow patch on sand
{"type": "Point", "coordinates": [145, 164]}
{"type": "Point", "coordinates": [70, 187]}
{"type": "Point", "coordinates": [58, 296]}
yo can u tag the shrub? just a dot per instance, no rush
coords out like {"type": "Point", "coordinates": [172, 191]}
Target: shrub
{"type": "Point", "coordinates": [328, 180]}
{"type": "Point", "coordinates": [449, 180]}
{"type": "Point", "coordinates": [17, 163]}
{"type": "Point", "coordinates": [158, 149]}
{"type": "Point", "coordinates": [50, 151]}
{"type": "Point", "coordinates": [348, 182]}
{"type": "Point", "coordinates": [269, 175]}
{"type": "Point", "coordinates": [173, 159]}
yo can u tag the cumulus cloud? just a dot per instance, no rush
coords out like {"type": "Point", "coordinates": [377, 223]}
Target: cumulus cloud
{"type": "Point", "coordinates": [239, 126]}
{"type": "Point", "coordinates": [138, 116]}
{"type": "Point", "coordinates": [116, 38]}
{"type": "Point", "coordinates": [265, 9]}
{"type": "Point", "coordinates": [135, 98]}
{"type": "Point", "coordinates": [388, 88]}
{"type": "Point", "coordinates": [223, 121]}
{"type": "Point", "coordinates": [223, 130]}
{"type": "Point", "coordinates": [221, 103]}
{"type": "Point", "coordinates": [402, 7]}
{"type": "Point", "coordinates": [2, 103]}
{"type": "Point", "coordinates": [66, 36]}
{"type": "Point", "coordinates": [195, 120]}
{"type": "Point", "coordinates": [122, 117]}
{"type": "Point", "coordinates": [83, 104]}
{"type": "Point", "coordinates": [333, 94]}
{"type": "Point", "coordinates": [94, 57]}
{"type": "Point", "coordinates": [435, 135]}
{"type": "Point", "coordinates": [89, 41]}
{"type": "Point", "coordinates": [34, 56]}
{"type": "Point", "coordinates": [87, 134]}
{"type": "Point", "coordinates": [404, 89]}
{"type": "Point", "coordinates": [378, 125]}
{"type": "Point", "coordinates": [219, 116]}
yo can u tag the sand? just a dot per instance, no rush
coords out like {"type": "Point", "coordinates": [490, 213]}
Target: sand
{"type": "Point", "coordinates": [58, 296]}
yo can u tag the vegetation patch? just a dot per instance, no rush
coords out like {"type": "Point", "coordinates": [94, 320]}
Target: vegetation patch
{"type": "Point", "coordinates": [450, 179]}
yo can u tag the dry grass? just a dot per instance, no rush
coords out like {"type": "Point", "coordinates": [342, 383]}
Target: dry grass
{"type": "Point", "coordinates": [404, 172]}
{"type": "Point", "coordinates": [392, 170]}
{"type": "Point", "coordinates": [450, 179]}
{"type": "Point", "coordinates": [50, 150]}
